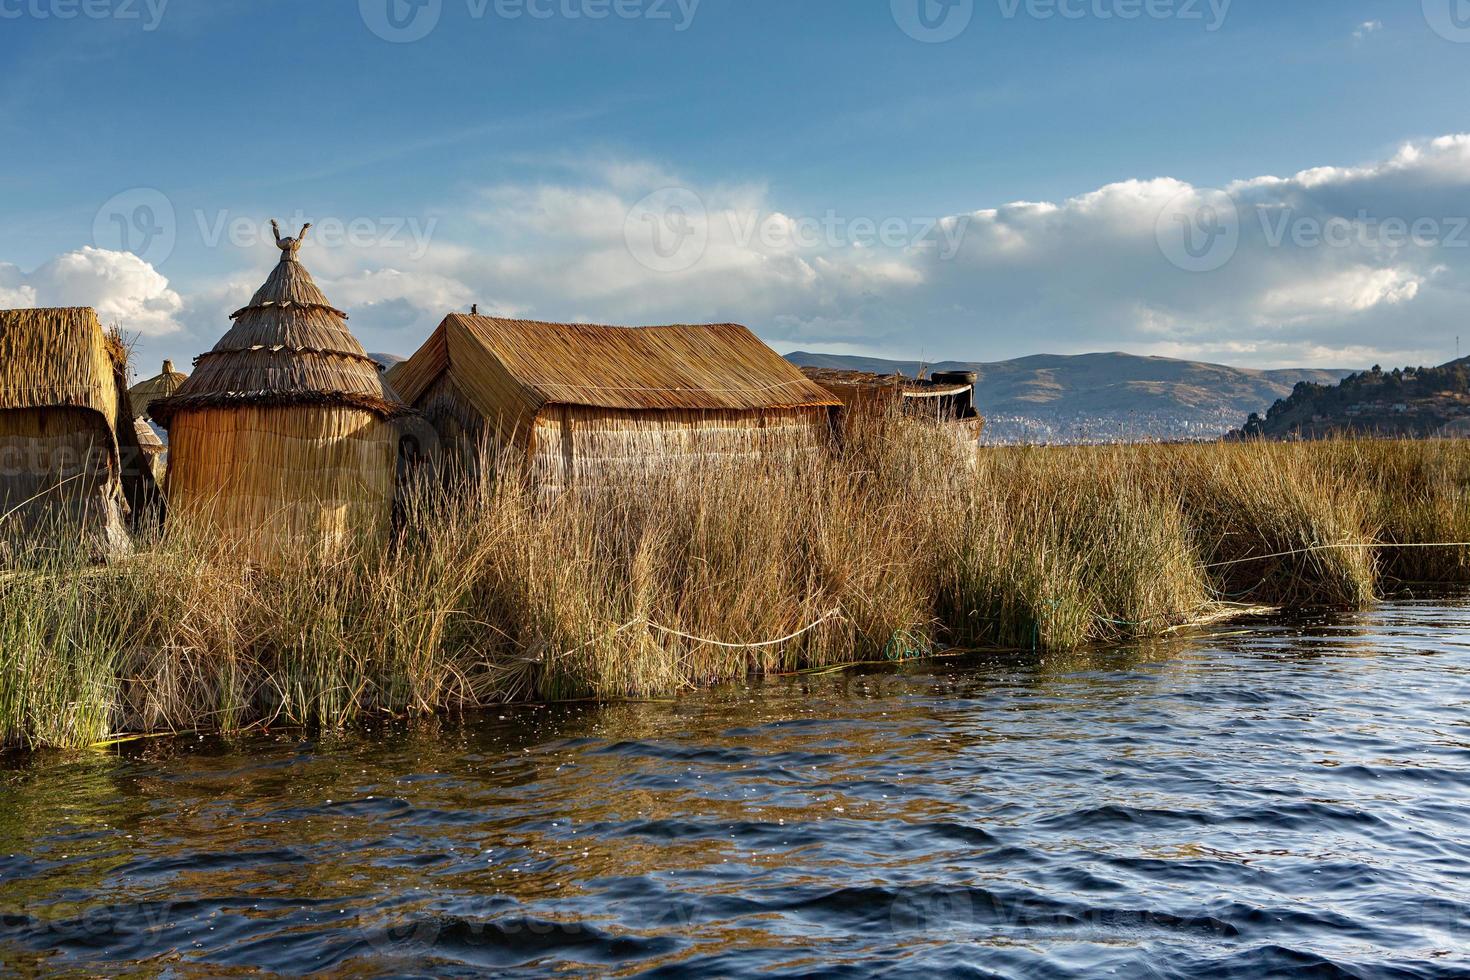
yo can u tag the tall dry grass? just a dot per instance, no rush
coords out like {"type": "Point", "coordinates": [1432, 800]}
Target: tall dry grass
{"type": "Point", "coordinates": [900, 542]}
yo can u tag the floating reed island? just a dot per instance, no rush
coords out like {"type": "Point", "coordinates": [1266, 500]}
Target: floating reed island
{"type": "Point", "coordinates": [535, 512]}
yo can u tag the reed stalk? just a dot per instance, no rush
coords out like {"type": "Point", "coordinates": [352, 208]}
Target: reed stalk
{"type": "Point", "coordinates": [899, 542]}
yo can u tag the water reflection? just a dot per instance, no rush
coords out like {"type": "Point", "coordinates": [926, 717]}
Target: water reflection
{"type": "Point", "coordinates": [1259, 799]}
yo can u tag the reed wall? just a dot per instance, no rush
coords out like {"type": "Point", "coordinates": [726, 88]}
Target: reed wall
{"type": "Point", "coordinates": [272, 479]}
{"type": "Point", "coordinates": [58, 473]}
{"type": "Point", "coordinates": [573, 445]}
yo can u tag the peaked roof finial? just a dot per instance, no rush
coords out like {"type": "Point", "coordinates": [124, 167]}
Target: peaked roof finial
{"type": "Point", "coordinates": [289, 246]}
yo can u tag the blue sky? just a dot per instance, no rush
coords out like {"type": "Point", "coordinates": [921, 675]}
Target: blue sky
{"type": "Point", "coordinates": [502, 158]}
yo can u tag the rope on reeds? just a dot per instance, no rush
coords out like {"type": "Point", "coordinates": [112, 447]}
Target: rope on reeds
{"type": "Point", "coordinates": [747, 646]}
{"type": "Point", "coordinates": [1349, 546]}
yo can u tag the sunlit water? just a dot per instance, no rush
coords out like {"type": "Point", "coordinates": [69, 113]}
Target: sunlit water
{"type": "Point", "coordinates": [1260, 800]}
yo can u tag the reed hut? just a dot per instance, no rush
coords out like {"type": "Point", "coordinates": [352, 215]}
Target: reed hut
{"type": "Point", "coordinates": [68, 450]}
{"type": "Point", "coordinates": [583, 402]}
{"type": "Point", "coordinates": [163, 385]}
{"type": "Point", "coordinates": [282, 438]}
{"type": "Point", "coordinates": [157, 388]}
{"type": "Point", "coordinates": [947, 397]}
{"type": "Point", "coordinates": [155, 452]}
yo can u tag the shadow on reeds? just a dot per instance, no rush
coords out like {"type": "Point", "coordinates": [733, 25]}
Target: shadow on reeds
{"type": "Point", "coordinates": [902, 542]}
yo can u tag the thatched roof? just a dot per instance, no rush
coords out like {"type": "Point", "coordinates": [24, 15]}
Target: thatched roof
{"type": "Point", "coordinates": [162, 385]}
{"type": "Point", "coordinates": [289, 346]}
{"type": "Point", "coordinates": [910, 387]}
{"type": "Point", "coordinates": [54, 358]}
{"type": "Point", "coordinates": [148, 440]}
{"type": "Point", "coordinates": [520, 366]}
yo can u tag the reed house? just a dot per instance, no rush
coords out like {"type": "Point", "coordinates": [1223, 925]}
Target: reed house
{"type": "Point", "coordinates": [581, 401]}
{"type": "Point", "coordinates": [947, 397]}
{"type": "Point", "coordinates": [69, 455]}
{"type": "Point", "coordinates": [282, 436]}
{"type": "Point", "coordinates": [155, 389]}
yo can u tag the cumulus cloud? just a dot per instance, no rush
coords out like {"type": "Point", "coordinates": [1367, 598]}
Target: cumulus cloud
{"type": "Point", "coordinates": [1335, 265]}
{"type": "Point", "coordinates": [1366, 28]}
{"type": "Point", "coordinates": [122, 288]}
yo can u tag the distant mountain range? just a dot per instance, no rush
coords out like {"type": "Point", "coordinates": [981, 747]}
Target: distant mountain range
{"type": "Point", "coordinates": [1066, 395]}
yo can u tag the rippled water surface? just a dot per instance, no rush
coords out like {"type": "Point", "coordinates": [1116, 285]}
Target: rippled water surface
{"type": "Point", "coordinates": [1265, 799]}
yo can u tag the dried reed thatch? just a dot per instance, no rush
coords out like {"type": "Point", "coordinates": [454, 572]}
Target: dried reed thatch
{"type": "Point", "coordinates": [155, 453]}
{"type": "Point", "coordinates": [160, 386]}
{"type": "Point", "coordinates": [580, 400]}
{"type": "Point", "coordinates": [280, 439]}
{"type": "Point", "coordinates": [67, 445]}
{"type": "Point", "coordinates": [947, 397]}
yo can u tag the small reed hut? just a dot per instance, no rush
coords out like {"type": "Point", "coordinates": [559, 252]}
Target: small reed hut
{"type": "Point", "coordinates": [155, 452]}
{"type": "Point", "coordinates": [155, 389]}
{"type": "Point", "coordinates": [144, 393]}
{"type": "Point", "coordinates": [282, 436]}
{"type": "Point", "coordinates": [583, 402]}
{"type": "Point", "coordinates": [946, 396]}
{"type": "Point", "coordinates": [69, 455]}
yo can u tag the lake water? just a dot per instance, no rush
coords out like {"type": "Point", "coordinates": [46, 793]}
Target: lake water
{"type": "Point", "coordinates": [1264, 799]}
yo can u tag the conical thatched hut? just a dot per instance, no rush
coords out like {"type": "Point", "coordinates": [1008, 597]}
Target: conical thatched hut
{"type": "Point", "coordinates": [69, 456]}
{"type": "Point", "coordinates": [281, 436]}
{"type": "Point", "coordinates": [155, 389]}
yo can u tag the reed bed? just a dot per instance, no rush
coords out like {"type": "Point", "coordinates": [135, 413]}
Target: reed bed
{"type": "Point", "coordinates": [901, 543]}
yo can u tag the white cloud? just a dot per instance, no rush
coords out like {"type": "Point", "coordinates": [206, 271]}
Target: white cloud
{"type": "Point", "coordinates": [121, 287]}
{"type": "Point", "coordinates": [1366, 28]}
{"type": "Point", "coordinates": [1085, 273]}
{"type": "Point", "coordinates": [1317, 276]}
